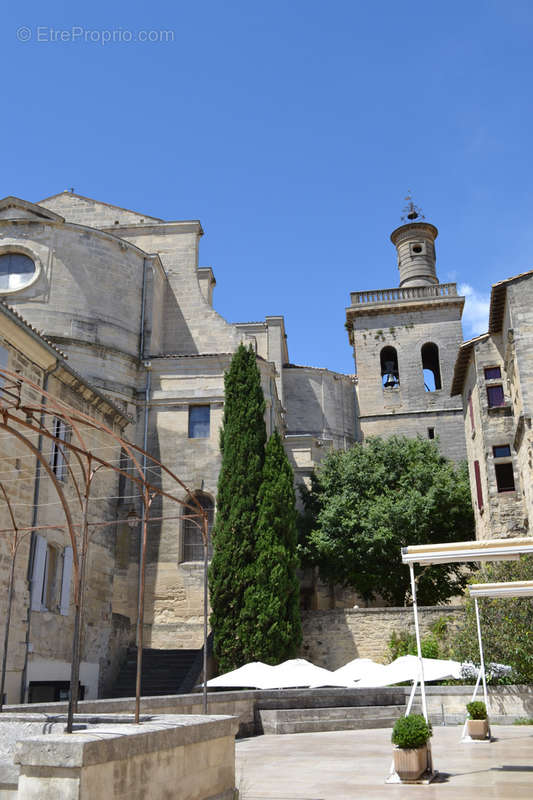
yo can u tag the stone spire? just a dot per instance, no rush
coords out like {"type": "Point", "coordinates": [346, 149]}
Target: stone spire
{"type": "Point", "coordinates": [415, 245]}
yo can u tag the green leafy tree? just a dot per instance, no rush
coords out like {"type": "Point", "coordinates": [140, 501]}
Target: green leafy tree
{"type": "Point", "coordinates": [368, 502]}
{"type": "Point", "coordinates": [242, 442]}
{"type": "Point", "coordinates": [506, 623]}
{"type": "Point", "coordinates": [271, 604]}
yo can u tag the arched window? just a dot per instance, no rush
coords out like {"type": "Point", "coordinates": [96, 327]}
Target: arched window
{"type": "Point", "coordinates": [193, 547]}
{"type": "Point", "coordinates": [390, 376]}
{"type": "Point", "coordinates": [431, 367]}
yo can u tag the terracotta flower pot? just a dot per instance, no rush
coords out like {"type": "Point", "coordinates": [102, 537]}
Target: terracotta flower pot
{"type": "Point", "coordinates": [478, 728]}
{"type": "Point", "coordinates": [410, 764]}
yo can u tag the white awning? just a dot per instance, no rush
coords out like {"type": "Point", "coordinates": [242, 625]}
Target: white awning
{"type": "Point", "coordinates": [251, 676]}
{"type": "Point", "coordinates": [482, 550]}
{"type": "Point", "coordinates": [289, 675]}
{"type": "Point", "coordinates": [406, 668]}
{"type": "Point", "coordinates": [509, 589]}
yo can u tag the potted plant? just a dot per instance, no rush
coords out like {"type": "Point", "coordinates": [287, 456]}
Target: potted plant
{"type": "Point", "coordinates": [478, 724]}
{"type": "Point", "coordinates": [410, 736]}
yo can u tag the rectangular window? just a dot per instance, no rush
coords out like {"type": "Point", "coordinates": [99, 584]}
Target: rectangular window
{"type": "Point", "coordinates": [492, 373]}
{"type": "Point", "coordinates": [59, 454]}
{"type": "Point", "coordinates": [501, 451]}
{"type": "Point", "coordinates": [431, 433]}
{"type": "Point", "coordinates": [504, 477]}
{"type": "Point", "coordinates": [495, 396]}
{"type": "Point", "coordinates": [199, 422]}
{"type": "Point", "coordinates": [478, 485]}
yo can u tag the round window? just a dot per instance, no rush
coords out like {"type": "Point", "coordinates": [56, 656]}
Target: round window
{"type": "Point", "coordinates": [16, 271]}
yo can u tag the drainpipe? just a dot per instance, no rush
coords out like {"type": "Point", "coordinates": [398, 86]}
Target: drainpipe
{"type": "Point", "coordinates": [143, 304]}
{"type": "Point", "coordinates": [148, 366]}
{"type": "Point", "coordinates": [35, 514]}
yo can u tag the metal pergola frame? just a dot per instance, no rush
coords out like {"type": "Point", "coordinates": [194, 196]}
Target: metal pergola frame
{"type": "Point", "coordinates": [24, 408]}
{"type": "Point", "coordinates": [510, 589]}
{"type": "Point", "coordinates": [447, 553]}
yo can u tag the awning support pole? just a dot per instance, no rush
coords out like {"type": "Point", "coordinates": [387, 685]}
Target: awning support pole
{"type": "Point", "coordinates": [411, 697]}
{"type": "Point", "coordinates": [418, 645]}
{"type": "Point", "coordinates": [481, 657]}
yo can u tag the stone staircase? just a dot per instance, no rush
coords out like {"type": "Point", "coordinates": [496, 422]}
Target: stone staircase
{"type": "Point", "coordinates": [163, 672]}
{"type": "Point", "coordinates": [312, 720]}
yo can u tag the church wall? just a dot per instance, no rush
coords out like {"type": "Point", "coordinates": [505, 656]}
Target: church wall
{"type": "Point", "coordinates": [87, 297]}
{"type": "Point", "coordinates": [86, 211]}
{"type": "Point", "coordinates": [408, 409]}
{"type": "Point", "coordinates": [191, 325]}
{"type": "Point", "coordinates": [174, 605]}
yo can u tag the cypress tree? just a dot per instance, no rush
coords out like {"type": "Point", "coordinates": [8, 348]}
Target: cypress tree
{"type": "Point", "coordinates": [242, 442]}
{"type": "Point", "coordinates": [272, 608]}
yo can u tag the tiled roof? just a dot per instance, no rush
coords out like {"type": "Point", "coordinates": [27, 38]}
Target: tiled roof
{"type": "Point", "coordinates": [27, 324]}
{"type": "Point", "coordinates": [497, 301]}
{"type": "Point", "coordinates": [462, 361]}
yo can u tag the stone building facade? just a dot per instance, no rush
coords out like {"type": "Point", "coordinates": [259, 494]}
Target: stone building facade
{"type": "Point", "coordinates": [42, 617]}
{"type": "Point", "coordinates": [493, 377]}
{"type": "Point", "coordinates": [122, 294]}
{"type": "Point", "coordinates": [405, 341]}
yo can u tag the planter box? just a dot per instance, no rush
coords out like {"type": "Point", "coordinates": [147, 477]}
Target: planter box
{"type": "Point", "coordinates": [478, 728]}
{"type": "Point", "coordinates": [410, 764]}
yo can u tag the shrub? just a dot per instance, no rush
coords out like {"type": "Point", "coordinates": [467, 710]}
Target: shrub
{"type": "Point", "coordinates": [506, 623]}
{"type": "Point", "coordinates": [411, 732]}
{"type": "Point", "coordinates": [433, 645]}
{"type": "Point", "coordinates": [523, 721]}
{"type": "Point", "coordinates": [477, 709]}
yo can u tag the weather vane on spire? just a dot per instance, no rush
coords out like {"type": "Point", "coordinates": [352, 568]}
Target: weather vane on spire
{"type": "Point", "coordinates": [411, 212]}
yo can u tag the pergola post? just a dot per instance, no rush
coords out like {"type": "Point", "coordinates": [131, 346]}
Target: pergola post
{"type": "Point", "coordinates": [418, 644]}
{"type": "Point", "coordinates": [481, 657]}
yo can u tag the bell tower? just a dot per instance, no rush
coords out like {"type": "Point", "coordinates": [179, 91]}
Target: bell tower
{"type": "Point", "coordinates": [405, 342]}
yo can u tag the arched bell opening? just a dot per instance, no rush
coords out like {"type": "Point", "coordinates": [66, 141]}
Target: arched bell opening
{"type": "Point", "coordinates": [431, 367]}
{"type": "Point", "coordinates": [390, 374]}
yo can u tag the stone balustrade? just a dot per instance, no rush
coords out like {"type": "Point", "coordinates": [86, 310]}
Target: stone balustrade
{"type": "Point", "coordinates": [408, 293]}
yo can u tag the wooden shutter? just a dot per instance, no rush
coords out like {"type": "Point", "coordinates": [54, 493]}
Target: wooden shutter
{"type": "Point", "coordinates": [4, 359]}
{"type": "Point", "coordinates": [478, 485]}
{"type": "Point", "coordinates": [37, 578]}
{"type": "Point", "coordinates": [64, 603]}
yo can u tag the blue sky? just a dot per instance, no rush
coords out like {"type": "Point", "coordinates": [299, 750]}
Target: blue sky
{"type": "Point", "coordinates": [293, 131]}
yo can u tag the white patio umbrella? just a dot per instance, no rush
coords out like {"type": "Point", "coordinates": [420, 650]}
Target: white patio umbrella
{"type": "Point", "coordinates": [299, 672]}
{"type": "Point", "coordinates": [355, 670]}
{"type": "Point", "coordinates": [290, 674]}
{"type": "Point", "coordinates": [254, 675]}
{"type": "Point", "coordinates": [406, 668]}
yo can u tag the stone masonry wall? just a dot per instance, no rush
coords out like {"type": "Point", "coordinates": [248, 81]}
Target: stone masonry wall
{"type": "Point", "coordinates": [333, 638]}
{"type": "Point", "coordinates": [409, 409]}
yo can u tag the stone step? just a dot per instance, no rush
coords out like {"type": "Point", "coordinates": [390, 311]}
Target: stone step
{"type": "Point", "coordinates": [163, 672]}
{"type": "Point", "coordinates": [312, 720]}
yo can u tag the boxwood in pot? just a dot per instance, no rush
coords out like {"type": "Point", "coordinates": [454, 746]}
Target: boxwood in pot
{"type": "Point", "coordinates": [410, 735]}
{"type": "Point", "coordinates": [478, 724]}
{"type": "Point", "coordinates": [477, 710]}
{"type": "Point", "coordinates": [411, 732]}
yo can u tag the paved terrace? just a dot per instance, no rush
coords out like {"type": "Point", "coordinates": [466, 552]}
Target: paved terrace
{"type": "Point", "coordinates": [354, 764]}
